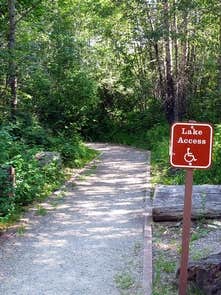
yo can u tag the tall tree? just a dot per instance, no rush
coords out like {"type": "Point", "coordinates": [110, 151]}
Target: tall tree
{"type": "Point", "coordinates": [12, 77]}
{"type": "Point", "coordinates": [170, 93]}
{"type": "Point", "coordinates": [219, 56]}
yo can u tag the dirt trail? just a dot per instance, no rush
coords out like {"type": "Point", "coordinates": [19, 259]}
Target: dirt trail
{"type": "Point", "coordinates": [91, 236]}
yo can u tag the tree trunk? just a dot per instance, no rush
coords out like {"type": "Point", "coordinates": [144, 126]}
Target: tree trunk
{"type": "Point", "coordinates": [175, 70]}
{"type": "Point", "coordinates": [182, 93]}
{"type": "Point", "coordinates": [12, 79]}
{"type": "Point", "coordinates": [169, 103]}
{"type": "Point", "coordinates": [157, 56]}
{"type": "Point", "coordinates": [219, 58]}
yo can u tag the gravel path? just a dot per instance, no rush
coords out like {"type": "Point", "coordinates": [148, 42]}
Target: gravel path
{"type": "Point", "coordinates": [90, 238]}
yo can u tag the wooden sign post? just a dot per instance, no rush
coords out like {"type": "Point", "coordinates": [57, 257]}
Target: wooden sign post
{"type": "Point", "coordinates": [190, 148]}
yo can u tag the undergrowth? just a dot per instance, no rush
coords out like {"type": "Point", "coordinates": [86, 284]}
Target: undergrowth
{"type": "Point", "coordinates": [34, 182]}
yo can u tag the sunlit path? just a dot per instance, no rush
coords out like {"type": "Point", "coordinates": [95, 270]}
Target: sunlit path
{"type": "Point", "coordinates": [88, 238]}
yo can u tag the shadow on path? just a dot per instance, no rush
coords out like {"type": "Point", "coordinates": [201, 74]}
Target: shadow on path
{"type": "Point", "coordinates": [91, 233]}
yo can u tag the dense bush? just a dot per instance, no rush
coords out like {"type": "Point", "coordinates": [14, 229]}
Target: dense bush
{"type": "Point", "coordinates": [73, 152]}
{"type": "Point", "coordinates": [33, 181]}
{"type": "Point", "coordinates": [212, 175]}
{"type": "Point", "coordinates": [20, 145]}
{"type": "Point", "coordinates": [6, 192]}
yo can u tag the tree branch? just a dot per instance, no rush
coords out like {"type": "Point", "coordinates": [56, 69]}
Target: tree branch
{"type": "Point", "coordinates": [25, 13]}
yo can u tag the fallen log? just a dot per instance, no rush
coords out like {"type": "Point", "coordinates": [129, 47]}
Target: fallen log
{"type": "Point", "coordinates": [169, 201]}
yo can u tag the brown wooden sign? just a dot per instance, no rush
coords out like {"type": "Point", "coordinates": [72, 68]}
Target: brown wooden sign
{"type": "Point", "coordinates": [191, 145]}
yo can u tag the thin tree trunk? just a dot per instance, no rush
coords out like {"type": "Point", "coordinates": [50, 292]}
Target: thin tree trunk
{"type": "Point", "coordinates": [175, 40]}
{"type": "Point", "coordinates": [157, 56]}
{"type": "Point", "coordinates": [12, 79]}
{"type": "Point", "coordinates": [170, 94]}
{"type": "Point", "coordinates": [182, 99]}
{"type": "Point", "coordinates": [175, 48]}
{"type": "Point", "coordinates": [219, 58]}
{"type": "Point", "coordinates": [191, 61]}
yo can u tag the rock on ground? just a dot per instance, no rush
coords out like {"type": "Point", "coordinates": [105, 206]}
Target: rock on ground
{"type": "Point", "coordinates": [45, 158]}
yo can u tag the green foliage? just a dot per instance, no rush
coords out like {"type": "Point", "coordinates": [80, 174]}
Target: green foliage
{"type": "Point", "coordinates": [73, 152]}
{"type": "Point", "coordinates": [110, 123]}
{"type": "Point", "coordinates": [160, 284]}
{"type": "Point", "coordinates": [28, 129]}
{"type": "Point", "coordinates": [34, 182]}
{"type": "Point", "coordinates": [124, 281]}
{"type": "Point", "coordinates": [21, 230]}
{"type": "Point", "coordinates": [164, 265]}
{"type": "Point", "coordinates": [6, 146]}
{"type": "Point", "coordinates": [41, 210]}
{"type": "Point", "coordinates": [87, 67]}
{"type": "Point", "coordinates": [212, 175]}
{"type": "Point", "coordinates": [69, 103]}
{"type": "Point", "coordinates": [6, 192]}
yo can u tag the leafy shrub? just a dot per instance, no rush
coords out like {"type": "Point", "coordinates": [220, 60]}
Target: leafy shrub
{"type": "Point", "coordinates": [73, 152]}
{"type": "Point", "coordinates": [28, 130]}
{"type": "Point", "coordinates": [6, 145]}
{"type": "Point", "coordinates": [19, 148]}
{"type": "Point", "coordinates": [212, 175]}
{"type": "Point", "coordinates": [6, 192]}
{"type": "Point", "coordinates": [31, 179]}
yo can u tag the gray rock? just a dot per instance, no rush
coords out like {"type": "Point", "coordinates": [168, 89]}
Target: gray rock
{"type": "Point", "coordinates": [45, 158]}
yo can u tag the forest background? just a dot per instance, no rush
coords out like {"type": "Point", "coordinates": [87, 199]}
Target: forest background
{"type": "Point", "coordinates": [100, 70]}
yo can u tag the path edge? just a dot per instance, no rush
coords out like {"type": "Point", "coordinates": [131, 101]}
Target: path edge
{"type": "Point", "coordinates": [147, 252]}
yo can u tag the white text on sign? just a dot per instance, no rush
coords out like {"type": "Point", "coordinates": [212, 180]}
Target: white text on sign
{"type": "Point", "coordinates": [191, 131]}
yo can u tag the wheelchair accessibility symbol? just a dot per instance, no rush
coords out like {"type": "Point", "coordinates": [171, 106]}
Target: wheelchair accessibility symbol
{"type": "Point", "coordinates": [191, 147]}
{"type": "Point", "coordinates": [189, 157]}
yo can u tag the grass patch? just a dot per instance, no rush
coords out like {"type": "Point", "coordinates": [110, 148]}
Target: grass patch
{"type": "Point", "coordinates": [41, 210]}
{"type": "Point", "coordinates": [163, 264]}
{"type": "Point", "coordinates": [21, 230]}
{"type": "Point", "coordinates": [82, 177]}
{"type": "Point", "coordinates": [167, 250]}
{"type": "Point", "coordinates": [90, 171]}
{"type": "Point", "coordinates": [54, 204]}
{"type": "Point", "coordinates": [161, 289]}
{"type": "Point", "coordinates": [199, 232]}
{"type": "Point", "coordinates": [124, 281]}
